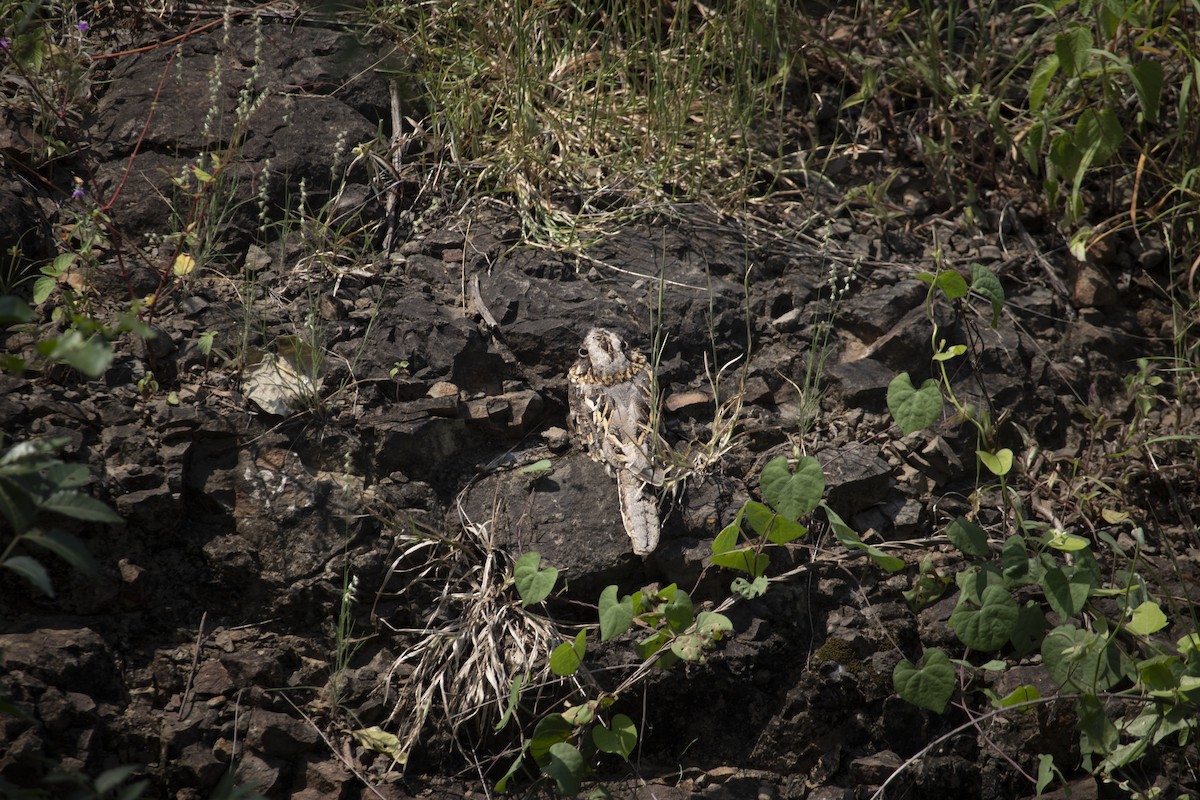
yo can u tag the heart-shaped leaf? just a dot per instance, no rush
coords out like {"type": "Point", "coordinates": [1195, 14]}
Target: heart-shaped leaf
{"type": "Point", "coordinates": [912, 408]}
{"type": "Point", "coordinates": [793, 490]}
{"type": "Point", "coordinates": [928, 686]}
{"type": "Point", "coordinates": [619, 738]}
{"type": "Point", "coordinates": [988, 626]}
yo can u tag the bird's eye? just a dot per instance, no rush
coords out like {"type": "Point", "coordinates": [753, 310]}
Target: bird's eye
{"type": "Point", "coordinates": [583, 351]}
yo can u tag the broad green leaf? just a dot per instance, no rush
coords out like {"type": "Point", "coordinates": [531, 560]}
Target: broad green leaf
{"type": "Point", "coordinates": [679, 611]}
{"type": "Point", "coordinates": [985, 284]}
{"type": "Point", "coordinates": [565, 768]}
{"type": "Point", "coordinates": [550, 730]}
{"type": "Point", "coordinates": [533, 585]}
{"type": "Point", "coordinates": [618, 739]}
{"type": "Point", "coordinates": [745, 560]}
{"type": "Point", "coordinates": [727, 539]}
{"type": "Point", "coordinates": [952, 284]}
{"type": "Point", "coordinates": [1097, 732]}
{"type": "Point", "coordinates": [1039, 82]}
{"type": "Point", "coordinates": [652, 644]}
{"type": "Point", "coordinates": [581, 714]}
{"type": "Point", "coordinates": [1031, 627]}
{"type": "Point", "coordinates": [66, 547]}
{"type": "Point", "coordinates": [912, 408]}
{"type": "Point", "coordinates": [67, 476]}
{"type": "Point", "coordinates": [1188, 645]}
{"type": "Point", "coordinates": [1067, 590]}
{"type": "Point", "coordinates": [1073, 48]}
{"type": "Point", "coordinates": [849, 539]}
{"type": "Point", "coordinates": [1014, 559]}
{"type": "Point", "coordinates": [968, 537]}
{"type": "Point", "coordinates": [1031, 147]}
{"type": "Point", "coordinates": [748, 590]}
{"type": "Point", "coordinates": [1081, 661]}
{"type": "Point", "coordinates": [1160, 674]}
{"type": "Point", "coordinates": [1019, 695]}
{"type": "Point", "coordinates": [713, 625]}
{"type": "Point", "coordinates": [1066, 542]}
{"type": "Point", "coordinates": [998, 463]}
{"type": "Point", "coordinates": [774, 527]}
{"type": "Point", "coordinates": [689, 647]}
{"type": "Point", "coordinates": [1046, 772]}
{"type": "Point", "coordinates": [928, 686]}
{"type": "Point", "coordinates": [989, 626]}
{"type": "Point", "coordinates": [927, 589]}
{"type": "Point", "coordinates": [43, 287]}
{"type": "Point", "coordinates": [14, 311]}
{"type": "Point", "coordinates": [32, 571]}
{"type": "Point", "coordinates": [1147, 76]}
{"type": "Point", "coordinates": [567, 657]}
{"type": "Point", "coordinates": [974, 580]}
{"type": "Point", "coordinates": [793, 492]}
{"type": "Point", "coordinates": [1147, 618]}
{"type": "Point", "coordinates": [948, 353]}
{"type": "Point", "coordinates": [73, 504]}
{"type": "Point", "coordinates": [616, 617]}
{"type": "Point", "coordinates": [1097, 135]}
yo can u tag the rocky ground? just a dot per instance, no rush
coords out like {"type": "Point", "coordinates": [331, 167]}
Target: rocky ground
{"type": "Point", "coordinates": [428, 379]}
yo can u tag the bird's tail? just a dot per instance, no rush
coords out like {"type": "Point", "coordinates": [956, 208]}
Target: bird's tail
{"type": "Point", "coordinates": [639, 512]}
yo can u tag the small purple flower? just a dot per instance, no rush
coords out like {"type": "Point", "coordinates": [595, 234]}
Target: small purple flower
{"type": "Point", "coordinates": [78, 193]}
{"type": "Point", "coordinates": [82, 25]}
{"type": "Point", "coordinates": [3, 43]}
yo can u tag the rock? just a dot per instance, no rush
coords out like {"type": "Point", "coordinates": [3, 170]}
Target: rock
{"type": "Point", "coordinates": [1092, 287]}
{"type": "Point", "coordinates": [856, 477]}
{"type": "Point", "coordinates": [873, 770]}
{"type": "Point", "coordinates": [77, 658]}
{"type": "Point", "coordinates": [281, 735]}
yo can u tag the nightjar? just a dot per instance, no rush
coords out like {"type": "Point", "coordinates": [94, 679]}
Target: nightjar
{"type": "Point", "coordinates": [608, 390]}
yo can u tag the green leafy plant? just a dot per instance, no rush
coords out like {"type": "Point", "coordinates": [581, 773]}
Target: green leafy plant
{"type": "Point", "coordinates": [1042, 590]}
{"type": "Point", "coordinates": [35, 483]}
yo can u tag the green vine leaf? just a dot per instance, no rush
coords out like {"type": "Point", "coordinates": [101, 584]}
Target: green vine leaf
{"type": "Point", "coordinates": [989, 626]}
{"type": "Point", "coordinates": [678, 611]}
{"type": "Point", "coordinates": [998, 463]}
{"type": "Point", "coordinates": [1081, 661]}
{"type": "Point", "coordinates": [985, 284]}
{"type": "Point", "coordinates": [616, 616]}
{"type": "Point", "coordinates": [549, 731]}
{"type": "Point", "coordinates": [748, 590]}
{"type": "Point", "coordinates": [565, 768]}
{"type": "Point", "coordinates": [1068, 590]}
{"type": "Point", "coordinates": [912, 408]}
{"type": "Point", "coordinates": [968, 537]}
{"type": "Point", "coordinates": [849, 539]}
{"type": "Point", "coordinates": [775, 528]}
{"type": "Point", "coordinates": [618, 739]}
{"type": "Point", "coordinates": [1147, 618]}
{"type": "Point", "coordinates": [928, 686]}
{"type": "Point", "coordinates": [533, 585]}
{"type": "Point", "coordinates": [793, 492]}
{"type": "Point", "coordinates": [567, 657]}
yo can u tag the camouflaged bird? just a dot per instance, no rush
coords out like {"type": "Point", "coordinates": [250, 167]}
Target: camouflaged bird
{"type": "Point", "coordinates": [608, 389]}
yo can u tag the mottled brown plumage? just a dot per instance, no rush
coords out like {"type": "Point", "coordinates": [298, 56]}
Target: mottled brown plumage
{"type": "Point", "coordinates": [610, 415]}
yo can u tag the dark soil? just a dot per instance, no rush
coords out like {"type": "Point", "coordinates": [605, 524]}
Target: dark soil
{"type": "Point", "coordinates": [209, 641]}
